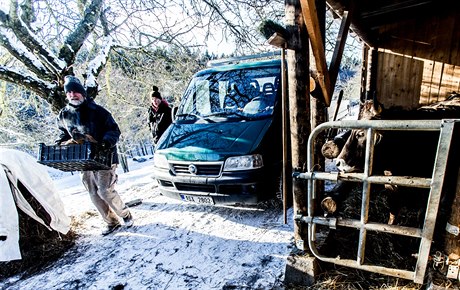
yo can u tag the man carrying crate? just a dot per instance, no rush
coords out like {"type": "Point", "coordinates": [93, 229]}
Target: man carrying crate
{"type": "Point", "coordinates": [83, 120]}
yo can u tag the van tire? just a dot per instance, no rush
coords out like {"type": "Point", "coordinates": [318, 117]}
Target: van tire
{"type": "Point", "coordinates": [276, 188]}
{"type": "Point", "coordinates": [279, 191]}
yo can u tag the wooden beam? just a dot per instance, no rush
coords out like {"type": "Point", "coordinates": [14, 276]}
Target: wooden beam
{"type": "Point", "coordinates": [310, 17]}
{"type": "Point", "coordinates": [334, 67]}
{"type": "Point", "coordinates": [338, 7]}
{"type": "Point", "coordinates": [278, 40]}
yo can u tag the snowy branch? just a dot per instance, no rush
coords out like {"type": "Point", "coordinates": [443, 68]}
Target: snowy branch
{"type": "Point", "coordinates": [51, 39]}
{"type": "Point", "coordinates": [47, 90]}
{"type": "Point", "coordinates": [21, 53]}
{"type": "Point", "coordinates": [96, 65]}
{"type": "Point", "coordinates": [76, 39]}
{"type": "Point", "coordinates": [29, 39]}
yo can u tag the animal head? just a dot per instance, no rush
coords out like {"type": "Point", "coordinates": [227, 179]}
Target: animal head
{"type": "Point", "coordinates": [352, 151]}
{"type": "Point", "coordinates": [370, 109]}
{"type": "Point", "coordinates": [351, 157]}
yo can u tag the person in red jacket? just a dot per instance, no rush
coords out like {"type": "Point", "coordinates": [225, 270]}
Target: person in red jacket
{"type": "Point", "coordinates": [159, 114]}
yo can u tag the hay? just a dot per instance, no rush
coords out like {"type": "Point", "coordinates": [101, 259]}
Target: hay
{"type": "Point", "coordinates": [382, 249]}
{"type": "Point", "coordinates": [39, 247]}
{"type": "Point", "coordinates": [344, 278]}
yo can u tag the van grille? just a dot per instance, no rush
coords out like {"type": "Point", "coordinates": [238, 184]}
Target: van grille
{"type": "Point", "coordinates": [201, 169]}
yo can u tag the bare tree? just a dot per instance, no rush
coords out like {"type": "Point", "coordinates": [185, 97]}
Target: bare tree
{"type": "Point", "coordinates": [35, 65]}
{"type": "Point", "coordinates": [113, 45]}
{"type": "Point", "coordinates": [44, 40]}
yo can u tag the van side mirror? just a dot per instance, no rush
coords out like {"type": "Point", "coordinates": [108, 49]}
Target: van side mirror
{"type": "Point", "coordinates": [174, 112]}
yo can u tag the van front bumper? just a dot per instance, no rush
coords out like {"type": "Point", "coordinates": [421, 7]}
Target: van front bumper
{"type": "Point", "coordinates": [230, 188]}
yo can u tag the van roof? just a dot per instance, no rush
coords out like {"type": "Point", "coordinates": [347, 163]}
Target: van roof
{"type": "Point", "coordinates": [242, 65]}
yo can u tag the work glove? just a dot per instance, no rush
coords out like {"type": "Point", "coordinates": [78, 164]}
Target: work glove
{"type": "Point", "coordinates": [89, 138]}
{"type": "Point", "coordinates": [78, 137]}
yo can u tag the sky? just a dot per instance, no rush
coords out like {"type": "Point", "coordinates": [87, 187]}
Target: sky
{"type": "Point", "coordinates": [172, 245]}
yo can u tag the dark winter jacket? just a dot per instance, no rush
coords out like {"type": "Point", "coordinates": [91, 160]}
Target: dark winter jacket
{"type": "Point", "coordinates": [159, 119]}
{"type": "Point", "coordinates": [89, 118]}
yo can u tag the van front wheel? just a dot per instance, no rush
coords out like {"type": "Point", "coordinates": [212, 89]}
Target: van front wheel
{"type": "Point", "coordinates": [279, 195]}
{"type": "Point", "coordinates": [275, 188]}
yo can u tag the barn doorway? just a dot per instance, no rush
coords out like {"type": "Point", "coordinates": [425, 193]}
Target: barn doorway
{"type": "Point", "coordinates": [362, 225]}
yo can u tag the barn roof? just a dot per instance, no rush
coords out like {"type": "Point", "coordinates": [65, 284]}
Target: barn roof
{"type": "Point", "coordinates": [372, 20]}
{"type": "Point", "coordinates": [419, 28]}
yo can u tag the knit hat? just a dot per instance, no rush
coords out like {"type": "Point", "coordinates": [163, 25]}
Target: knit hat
{"type": "Point", "coordinates": [72, 83]}
{"type": "Point", "coordinates": [155, 93]}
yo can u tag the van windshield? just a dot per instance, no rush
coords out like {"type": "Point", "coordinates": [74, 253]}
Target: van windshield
{"type": "Point", "coordinates": [222, 96]}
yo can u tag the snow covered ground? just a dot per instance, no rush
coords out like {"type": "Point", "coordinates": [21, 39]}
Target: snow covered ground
{"type": "Point", "coordinates": [172, 245]}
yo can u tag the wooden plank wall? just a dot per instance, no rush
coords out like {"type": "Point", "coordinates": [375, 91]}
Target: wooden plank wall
{"type": "Point", "coordinates": [419, 62]}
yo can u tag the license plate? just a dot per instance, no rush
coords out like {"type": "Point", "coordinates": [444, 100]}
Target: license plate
{"type": "Point", "coordinates": [197, 199]}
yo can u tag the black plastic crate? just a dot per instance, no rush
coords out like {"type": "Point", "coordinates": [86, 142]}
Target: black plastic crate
{"type": "Point", "coordinates": [74, 157]}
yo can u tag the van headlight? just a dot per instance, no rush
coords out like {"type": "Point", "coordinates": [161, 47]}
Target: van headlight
{"type": "Point", "coordinates": [160, 161]}
{"type": "Point", "coordinates": [243, 162]}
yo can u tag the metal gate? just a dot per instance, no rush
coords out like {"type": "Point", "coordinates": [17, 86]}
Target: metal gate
{"type": "Point", "coordinates": [434, 185]}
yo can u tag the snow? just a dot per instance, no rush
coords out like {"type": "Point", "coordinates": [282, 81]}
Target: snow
{"type": "Point", "coordinates": [172, 245]}
{"type": "Point", "coordinates": [98, 62]}
{"type": "Point", "coordinates": [11, 41]}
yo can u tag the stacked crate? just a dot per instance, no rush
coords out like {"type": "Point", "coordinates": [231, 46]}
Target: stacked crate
{"type": "Point", "coordinates": [75, 157]}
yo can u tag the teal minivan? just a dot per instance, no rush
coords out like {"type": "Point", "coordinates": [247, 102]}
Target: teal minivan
{"type": "Point", "coordinates": [224, 146]}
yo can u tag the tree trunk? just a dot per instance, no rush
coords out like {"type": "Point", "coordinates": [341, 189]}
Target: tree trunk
{"type": "Point", "coordinates": [301, 267]}
{"type": "Point", "coordinates": [319, 116]}
{"type": "Point", "coordinates": [299, 107]}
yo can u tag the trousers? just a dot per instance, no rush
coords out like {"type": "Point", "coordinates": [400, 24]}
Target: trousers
{"type": "Point", "coordinates": [101, 187]}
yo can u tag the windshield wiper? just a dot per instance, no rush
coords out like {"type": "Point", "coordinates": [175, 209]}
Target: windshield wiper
{"type": "Point", "coordinates": [188, 115]}
{"type": "Point", "coordinates": [220, 113]}
{"type": "Point", "coordinates": [230, 113]}
{"type": "Point", "coordinates": [194, 117]}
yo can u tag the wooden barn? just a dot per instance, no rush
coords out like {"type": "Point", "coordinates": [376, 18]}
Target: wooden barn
{"type": "Point", "coordinates": [412, 53]}
{"type": "Point", "coordinates": [411, 59]}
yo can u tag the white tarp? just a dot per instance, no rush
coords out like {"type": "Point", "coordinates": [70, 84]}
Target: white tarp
{"type": "Point", "coordinates": [15, 167]}
{"type": "Point", "coordinates": [9, 227]}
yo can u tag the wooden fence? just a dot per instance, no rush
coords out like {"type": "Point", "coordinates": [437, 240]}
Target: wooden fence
{"type": "Point", "coordinates": [129, 150]}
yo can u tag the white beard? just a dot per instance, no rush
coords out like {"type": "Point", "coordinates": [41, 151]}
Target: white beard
{"type": "Point", "coordinates": [76, 102]}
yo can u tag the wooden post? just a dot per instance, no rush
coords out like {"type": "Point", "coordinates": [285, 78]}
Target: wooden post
{"type": "Point", "coordinates": [287, 165]}
{"type": "Point", "coordinates": [318, 107]}
{"type": "Point", "coordinates": [144, 152]}
{"type": "Point", "coordinates": [452, 239]}
{"type": "Point", "coordinates": [122, 157]}
{"type": "Point", "coordinates": [372, 72]}
{"type": "Point", "coordinates": [299, 105]}
{"type": "Point", "coordinates": [364, 76]}
{"type": "Point", "coordinates": [451, 229]}
{"type": "Point", "coordinates": [319, 116]}
{"type": "Point", "coordinates": [301, 266]}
